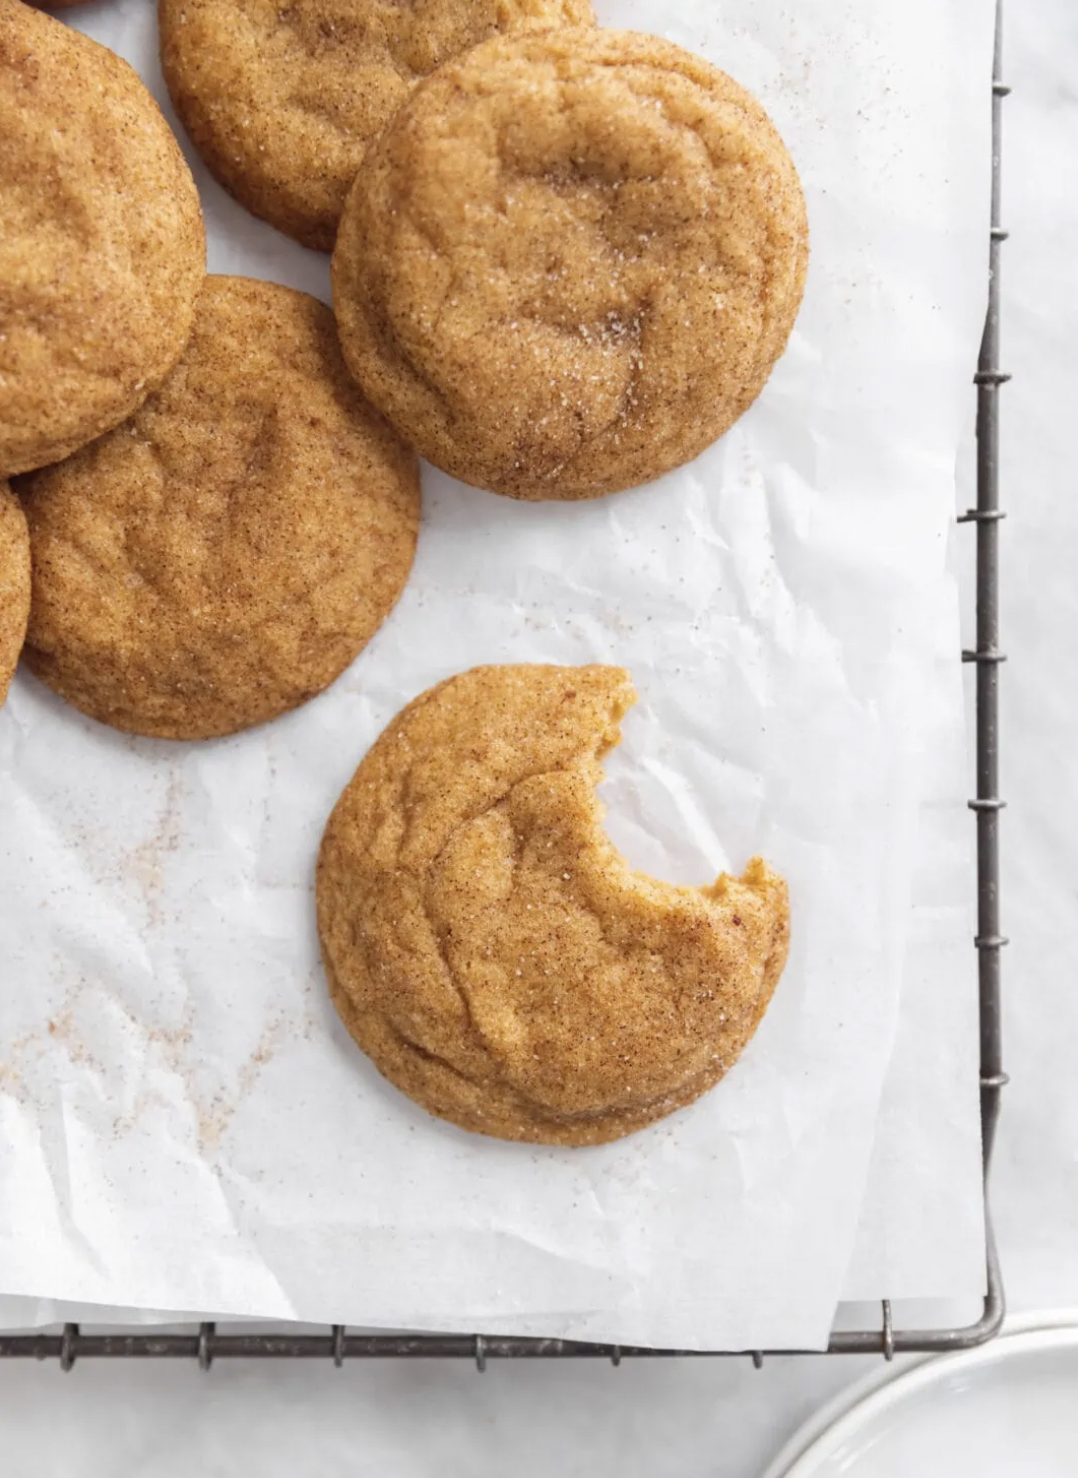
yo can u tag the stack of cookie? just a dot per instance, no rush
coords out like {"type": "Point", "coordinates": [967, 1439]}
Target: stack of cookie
{"type": "Point", "coordinates": [565, 260]}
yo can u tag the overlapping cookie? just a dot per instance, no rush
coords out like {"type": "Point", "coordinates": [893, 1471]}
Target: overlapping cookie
{"type": "Point", "coordinates": [570, 262]}
{"type": "Point", "coordinates": [281, 100]}
{"type": "Point", "coordinates": [225, 554]}
{"type": "Point", "coordinates": [14, 584]}
{"type": "Point", "coordinates": [102, 251]}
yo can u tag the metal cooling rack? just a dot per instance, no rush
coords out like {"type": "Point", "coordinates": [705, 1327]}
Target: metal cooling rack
{"type": "Point", "coordinates": [205, 1344]}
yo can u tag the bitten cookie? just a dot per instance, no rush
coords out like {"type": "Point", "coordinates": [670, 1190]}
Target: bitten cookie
{"type": "Point", "coordinates": [492, 953]}
{"type": "Point", "coordinates": [14, 584]}
{"type": "Point", "coordinates": [281, 100]}
{"type": "Point", "coordinates": [570, 262]}
{"type": "Point", "coordinates": [102, 251]}
{"type": "Point", "coordinates": [226, 553]}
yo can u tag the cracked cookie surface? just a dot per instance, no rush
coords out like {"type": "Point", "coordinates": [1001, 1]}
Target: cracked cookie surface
{"type": "Point", "coordinates": [281, 99]}
{"type": "Point", "coordinates": [570, 262]}
{"type": "Point", "coordinates": [102, 251]}
{"type": "Point", "coordinates": [14, 584]}
{"type": "Point", "coordinates": [225, 554]}
{"type": "Point", "coordinates": [490, 950]}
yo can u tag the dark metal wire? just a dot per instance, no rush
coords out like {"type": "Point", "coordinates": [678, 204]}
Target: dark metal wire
{"type": "Point", "coordinates": [206, 1345]}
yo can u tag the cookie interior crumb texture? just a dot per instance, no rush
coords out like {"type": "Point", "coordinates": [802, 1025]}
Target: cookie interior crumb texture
{"type": "Point", "coordinates": [281, 100]}
{"type": "Point", "coordinates": [102, 250]}
{"type": "Point", "coordinates": [570, 262]}
{"type": "Point", "coordinates": [14, 584]}
{"type": "Point", "coordinates": [227, 552]}
{"type": "Point", "coordinates": [490, 950]}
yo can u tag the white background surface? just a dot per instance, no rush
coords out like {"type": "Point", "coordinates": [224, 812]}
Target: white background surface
{"type": "Point", "coordinates": [720, 1419]}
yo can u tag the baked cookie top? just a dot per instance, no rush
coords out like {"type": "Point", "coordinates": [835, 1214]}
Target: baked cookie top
{"type": "Point", "coordinates": [102, 251]}
{"type": "Point", "coordinates": [227, 552]}
{"type": "Point", "coordinates": [491, 951]}
{"type": "Point", "coordinates": [281, 99]}
{"type": "Point", "coordinates": [14, 584]}
{"type": "Point", "coordinates": [570, 262]}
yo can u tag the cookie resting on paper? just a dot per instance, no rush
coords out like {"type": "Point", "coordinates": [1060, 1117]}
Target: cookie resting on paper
{"type": "Point", "coordinates": [14, 584]}
{"type": "Point", "coordinates": [489, 949]}
{"type": "Point", "coordinates": [281, 100]}
{"type": "Point", "coordinates": [102, 250]}
{"type": "Point", "coordinates": [225, 554]}
{"type": "Point", "coordinates": [570, 262]}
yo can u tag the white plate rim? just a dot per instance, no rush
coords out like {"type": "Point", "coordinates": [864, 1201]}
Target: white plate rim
{"type": "Point", "coordinates": [862, 1401]}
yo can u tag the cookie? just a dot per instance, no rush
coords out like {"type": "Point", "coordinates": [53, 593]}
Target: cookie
{"type": "Point", "coordinates": [492, 953]}
{"type": "Point", "coordinates": [281, 100]}
{"type": "Point", "coordinates": [570, 262]}
{"type": "Point", "coordinates": [226, 553]}
{"type": "Point", "coordinates": [102, 251]}
{"type": "Point", "coordinates": [14, 584]}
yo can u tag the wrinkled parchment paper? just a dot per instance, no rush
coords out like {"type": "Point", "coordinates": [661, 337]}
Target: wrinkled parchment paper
{"type": "Point", "coordinates": [186, 1126]}
{"type": "Point", "coordinates": [922, 1221]}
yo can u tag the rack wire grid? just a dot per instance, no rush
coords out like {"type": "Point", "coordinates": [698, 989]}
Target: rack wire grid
{"type": "Point", "coordinates": [205, 1344]}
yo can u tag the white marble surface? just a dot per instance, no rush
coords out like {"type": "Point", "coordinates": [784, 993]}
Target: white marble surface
{"type": "Point", "coordinates": [722, 1419]}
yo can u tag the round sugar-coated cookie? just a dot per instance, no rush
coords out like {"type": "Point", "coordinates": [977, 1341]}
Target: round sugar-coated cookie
{"type": "Point", "coordinates": [228, 551]}
{"type": "Point", "coordinates": [570, 262]}
{"type": "Point", "coordinates": [14, 584]}
{"type": "Point", "coordinates": [281, 100]}
{"type": "Point", "coordinates": [493, 954]}
{"type": "Point", "coordinates": [102, 250]}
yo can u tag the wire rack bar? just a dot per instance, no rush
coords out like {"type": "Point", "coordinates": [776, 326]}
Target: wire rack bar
{"type": "Point", "coordinates": [205, 1345]}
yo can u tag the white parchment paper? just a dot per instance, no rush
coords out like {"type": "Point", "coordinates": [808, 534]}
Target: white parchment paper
{"type": "Point", "coordinates": [185, 1125]}
{"type": "Point", "coordinates": [922, 1222]}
